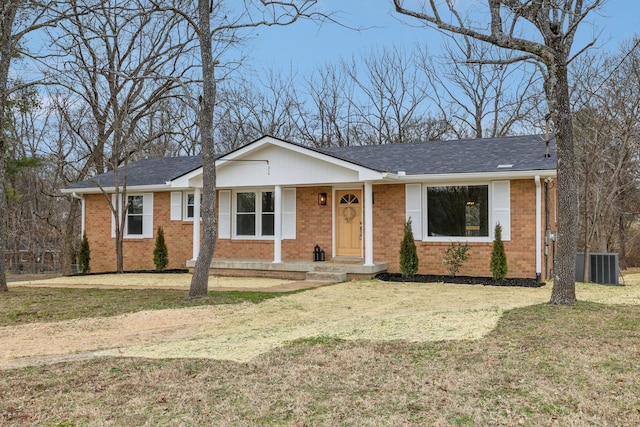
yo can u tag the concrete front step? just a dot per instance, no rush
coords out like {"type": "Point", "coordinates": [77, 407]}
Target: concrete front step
{"type": "Point", "coordinates": [329, 268]}
{"type": "Point", "coordinates": [327, 276]}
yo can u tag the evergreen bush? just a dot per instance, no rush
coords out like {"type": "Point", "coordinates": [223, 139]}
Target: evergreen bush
{"type": "Point", "coordinates": [84, 255]}
{"type": "Point", "coordinates": [160, 252]}
{"type": "Point", "coordinates": [498, 264]}
{"type": "Point", "coordinates": [408, 252]}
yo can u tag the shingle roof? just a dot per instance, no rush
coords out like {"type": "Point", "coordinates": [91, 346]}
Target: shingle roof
{"type": "Point", "coordinates": [448, 157]}
{"type": "Point", "coordinates": [146, 172]}
{"type": "Point", "coordinates": [524, 153]}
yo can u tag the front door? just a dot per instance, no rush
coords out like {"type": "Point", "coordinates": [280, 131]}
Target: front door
{"type": "Point", "coordinates": [348, 223]}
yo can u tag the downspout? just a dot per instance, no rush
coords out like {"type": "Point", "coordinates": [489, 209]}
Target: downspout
{"type": "Point", "coordinates": [547, 228]}
{"type": "Point", "coordinates": [538, 229]}
{"type": "Point", "coordinates": [82, 211]}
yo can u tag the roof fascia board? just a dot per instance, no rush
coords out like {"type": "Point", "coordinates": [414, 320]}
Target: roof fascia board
{"type": "Point", "coordinates": [129, 188]}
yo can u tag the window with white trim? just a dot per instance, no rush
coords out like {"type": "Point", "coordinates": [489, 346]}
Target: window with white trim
{"type": "Point", "coordinates": [190, 205]}
{"type": "Point", "coordinates": [458, 211]}
{"type": "Point", "coordinates": [135, 215]}
{"type": "Point", "coordinates": [255, 213]}
{"type": "Point", "coordinates": [138, 221]}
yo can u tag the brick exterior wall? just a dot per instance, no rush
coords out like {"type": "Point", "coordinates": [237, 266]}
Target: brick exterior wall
{"type": "Point", "coordinates": [388, 223]}
{"type": "Point", "coordinates": [314, 226]}
{"type": "Point", "coordinates": [137, 253]}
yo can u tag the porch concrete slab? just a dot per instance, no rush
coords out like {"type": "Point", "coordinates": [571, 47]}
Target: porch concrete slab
{"type": "Point", "coordinates": [353, 269]}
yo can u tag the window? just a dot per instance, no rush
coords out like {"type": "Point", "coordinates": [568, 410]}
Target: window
{"type": "Point", "coordinates": [228, 214]}
{"type": "Point", "coordinates": [458, 211]}
{"type": "Point", "coordinates": [190, 205]}
{"type": "Point", "coordinates": [246, 214]}
{"type": "Point", "coordinates": [135, 215]}
{"type": "Point", "coordinates": [268, 213]}
{"type": "Point", "coordinates": [139, 219]}
{"type": "Point", "coordinates": [255, 213]}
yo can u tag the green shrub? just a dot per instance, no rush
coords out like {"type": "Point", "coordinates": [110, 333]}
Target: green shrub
{"type": "Point", "coordinates": [454, 257]}
{"type": "Point", "coordinates": [84, 255]}
{"type": "Point", "coordinates": [160, 252]}
{"type": "Point", "coordinates": [408, 252]}
{"type": "Point", "coordinates": [498, 264]}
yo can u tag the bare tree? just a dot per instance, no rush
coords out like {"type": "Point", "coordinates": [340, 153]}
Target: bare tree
{"type": "Point", "coordinates": [120, 59]}
{"type": "Point", "coordinates": [394, 97]}
{"type": "Point", "coordinates": [216, 28]}
{"type": "Point", "coordinates": [608, 148]}
{"type": "Point", "coordinates": [18, 18]}
{"type": "Point", "coordinates": [555, 24]}
{"type": "Point", "coordinates": [331, 119]}
{"type": "Point", "coordinates": [33, 216]}
{"type": "Point", "coordinates": [246, 109]}
{"type": "Point", "coordinates": [480, 99]}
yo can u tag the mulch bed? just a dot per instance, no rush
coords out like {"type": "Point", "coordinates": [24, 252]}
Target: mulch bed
{"type": "Point", "coordinates": [465, 280]}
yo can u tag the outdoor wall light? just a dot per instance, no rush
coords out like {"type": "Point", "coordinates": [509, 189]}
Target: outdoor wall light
{"type": "Point", "coordinates": [322, 199]}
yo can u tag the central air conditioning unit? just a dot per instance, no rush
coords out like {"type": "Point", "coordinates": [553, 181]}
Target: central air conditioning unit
{"type": "Point", "coordinates": [603, 268]}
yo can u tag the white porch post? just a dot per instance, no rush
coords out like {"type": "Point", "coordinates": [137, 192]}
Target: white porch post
{"type": "Point", "coordinates": [368, 223]}
{"type": "Point", "coordinates": [277, 225]}
{"type": "Point", "coordinates": [196, 223]}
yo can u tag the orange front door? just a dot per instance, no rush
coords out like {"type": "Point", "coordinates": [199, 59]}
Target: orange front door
{"type": "Point", "coordinates": [348, 223]}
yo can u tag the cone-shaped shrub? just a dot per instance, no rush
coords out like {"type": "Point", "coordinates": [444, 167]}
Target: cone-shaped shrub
{"type": "Point", "coordinates": [160, 252]}
{"type": "Point", "coordinates": [408, 252]}
{"type": "Point", "coordinates": [84, 255]}
{"type": "Point", "coordinates": [498, 264]}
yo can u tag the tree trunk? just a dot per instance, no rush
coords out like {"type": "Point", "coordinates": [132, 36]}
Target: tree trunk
{"type": "Point", "coordinates": [68, 254]}
{"type": "Point", "coordinates": [587, 239]}
{"type": "Point", "coordinates": [200, 279]}
{"type": "Point", "coordinates": [9, 10]}
{"type": "Point", "coordinates": [564, 291]}
{"type": "Point", "coordinates": [622, 237]}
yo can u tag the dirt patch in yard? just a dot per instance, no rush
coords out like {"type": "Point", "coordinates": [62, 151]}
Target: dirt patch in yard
{"type": "Point", "coordinates": [354, 310]}
{"type": "Point", "coordinates": [154, 281]}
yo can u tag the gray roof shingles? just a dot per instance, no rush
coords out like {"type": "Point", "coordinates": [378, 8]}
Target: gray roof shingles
{"type": "Point", "coordinates": [525, 153]}
{"type": "Point", "coordinates": [146, 172]}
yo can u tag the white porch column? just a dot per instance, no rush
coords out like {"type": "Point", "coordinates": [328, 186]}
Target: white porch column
{"type": "Point", "coordinates": [277, 225]}
{"type": "Point", "coordinates": [196, 223]}
{"type": "Point", "coordinates": [368, 223]}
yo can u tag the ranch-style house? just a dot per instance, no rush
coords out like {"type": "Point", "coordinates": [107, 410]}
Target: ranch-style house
{"type": "Point", "coordinates": [281, 205]}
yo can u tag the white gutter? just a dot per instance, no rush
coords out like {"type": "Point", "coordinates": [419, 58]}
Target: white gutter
{"type": "Point", "coordinates": [448, 178]}
{"type": "Point", "coordinates": [538, 229]}
{"type": "Point", "coordinates": [130, 189]}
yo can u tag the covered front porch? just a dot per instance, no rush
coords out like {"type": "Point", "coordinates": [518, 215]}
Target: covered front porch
{"type": "Point", "coordinates": [337, 270]}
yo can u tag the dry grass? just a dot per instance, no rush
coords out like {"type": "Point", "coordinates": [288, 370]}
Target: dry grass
{"type": "Point", "coordinates": [150, 281]}
{"type": "Point", "coordinates": [361, 353]}
{"type": "Point", "coordinates": [541, 366]}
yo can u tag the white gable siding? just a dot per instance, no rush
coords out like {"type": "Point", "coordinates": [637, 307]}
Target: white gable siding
{"type": "Point", "coordinates": [272, 166]}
